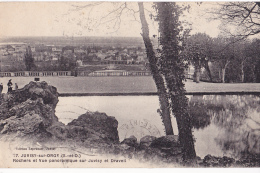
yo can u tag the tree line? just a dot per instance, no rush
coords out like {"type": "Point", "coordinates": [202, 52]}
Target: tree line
{"type": "Point", "coordinates": [223, 59]}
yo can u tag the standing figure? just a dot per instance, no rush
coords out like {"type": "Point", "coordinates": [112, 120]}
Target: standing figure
{"type": "Point", "coordinates": [9, 84]}
{"type": "Point", "coordinates": [1, 88]}
{"type": "Point", "coordinates": [16, 86]}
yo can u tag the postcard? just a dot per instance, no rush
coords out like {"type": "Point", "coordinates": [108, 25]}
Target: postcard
{"type": "Point", "coordinates": [129, 84]}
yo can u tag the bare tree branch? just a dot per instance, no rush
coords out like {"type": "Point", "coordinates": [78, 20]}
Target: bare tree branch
{"type": "Point", "coordinates": [243, 15]}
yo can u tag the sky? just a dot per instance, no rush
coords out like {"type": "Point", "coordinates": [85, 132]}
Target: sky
{"type": "Point", "coordinates": [68, 19]}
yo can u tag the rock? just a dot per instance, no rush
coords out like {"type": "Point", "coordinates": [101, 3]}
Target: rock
{"type": "Point", "coordinates": [32, 91]}
{"type": "Point", "coordinates": [29, 111]}
{"type": "Point", "coordinates": [254, 141]}
{"type": "Point", "coordinates": [131, 141]}
{"type": "Point", "coordinates": [58, 131]}
{"type": "Point", "coordinates": [212, 161]}
{"type": "Point", "coordinates": [168, 141]}
{"type": "Point", "coordinates": [249, 160]}
{"type": "Point", "coordinates": [198, 160]}
{"type": "Point", "coordinates": [146, 141]}
{"type": "Point", "coordinates": [27, 118]}
{"type": "Point", "coordinates": [94, 125]}
{"type": "Point", "coordinates": [27, 124]}
{"type": "Point", "coordinates": [124, 146]}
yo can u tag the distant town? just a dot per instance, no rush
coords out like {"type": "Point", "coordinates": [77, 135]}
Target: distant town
{"type": "Point", "coordinates": [77, 57]}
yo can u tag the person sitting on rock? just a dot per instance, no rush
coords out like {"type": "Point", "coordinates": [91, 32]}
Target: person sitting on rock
{"type": "Point", "coordinates": [16, 86]}
{"type": "Point", "coordinates": [9, 84]}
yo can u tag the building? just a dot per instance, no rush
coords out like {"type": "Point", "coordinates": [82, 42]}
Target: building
{"type": "Point", "coordinates": [109, 73]}
{"type": "Point", "coordinates": [10, 49]}
{"type": "Point", "coordinates": [79, 63]}
{"type": "Point", "coordinates": [79, 50]}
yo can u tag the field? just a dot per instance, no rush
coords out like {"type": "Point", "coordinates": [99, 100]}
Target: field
{"type": "Point", "coordinates": [136, 84]}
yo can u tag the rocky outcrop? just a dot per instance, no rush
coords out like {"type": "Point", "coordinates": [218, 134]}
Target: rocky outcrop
{"type": "Point", "coordinates": [30, 111]}
{"type": "Point", "coordinates": [33, 91]}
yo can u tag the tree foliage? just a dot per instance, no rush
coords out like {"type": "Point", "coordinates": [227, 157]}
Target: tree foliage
{"type": "Point", "coordinates": [198, 51]}
{"type": "Point", "coordinates": [66, 63]}
{"type": "Point", "coordinates": [224, 53]}
{"type": "Point", "coordinates": [235, 61]}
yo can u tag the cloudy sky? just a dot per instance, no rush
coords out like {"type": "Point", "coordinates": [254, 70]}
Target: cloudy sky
{"type": "Point", "coordinates": [69, 19]}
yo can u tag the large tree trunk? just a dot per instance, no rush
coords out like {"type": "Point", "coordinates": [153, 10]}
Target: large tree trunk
{"type": "Point", "coordinates": [242, 73]}
{"type": "Point", "coordinates": [197, 75]}
{"type": "Point", "coordinates": [223, 71]}
{"type": "Point", "coordinates": [173, 70]}
{"type": "Point", "coordinates": [163, 98]}
{"type": "Point", "coordinates": [257, 72]}
{"type": "Point", "coordinates": [208, 70]}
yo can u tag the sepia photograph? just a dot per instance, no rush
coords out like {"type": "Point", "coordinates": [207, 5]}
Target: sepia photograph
{"type": "Point", "coordinates": [114, 84]}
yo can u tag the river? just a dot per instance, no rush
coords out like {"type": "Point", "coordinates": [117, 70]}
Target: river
{"type": "Point", "coordinates": [222, 125]}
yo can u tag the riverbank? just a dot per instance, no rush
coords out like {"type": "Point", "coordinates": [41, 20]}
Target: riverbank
{"type": "Point", "coordinates": [137, 85]}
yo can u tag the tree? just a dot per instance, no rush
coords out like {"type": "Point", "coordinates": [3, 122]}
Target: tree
{"type": "Point", "coordinates": [223, 54]}
{"type": "Point", "coordinates": [159, 81]}
{"type": "Point", "coordinates": [243, 15]}
{"type": "Point", "coordinates": [172, 67]}
{"type": "Point", "coordinates": [252, 65]}
{"type": "Point", "coordinates": [66, 63]}
{"type": "Point", "coordinates": [28, 59]}
{"type": "Point", "coordinates": [241, 59]}
{"type": "Point", "coordinates": [235, 59]}
{"type": "Point", "coordinates": [198, 51]}
{"type": "Point", "coordinates": [240, 20]}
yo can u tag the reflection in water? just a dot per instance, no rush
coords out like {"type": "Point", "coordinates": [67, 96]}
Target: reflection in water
{"type": "Point", "coordinates": [236, 117]}
{"type": "Point", "coordinates": [223, 125]}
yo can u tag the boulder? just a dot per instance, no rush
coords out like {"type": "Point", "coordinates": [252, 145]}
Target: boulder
{"type": "Point", "coordinates": [131, 141]}
{"type": "Point", "coordinates": [146, 141]}
{"type": "Point", "coordinates": [95, 126]}
{"type": "Point", "coordinates": [168, 141]}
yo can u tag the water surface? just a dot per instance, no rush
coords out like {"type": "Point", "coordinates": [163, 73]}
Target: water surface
{"type": "Point", "coordinates": [222, 125]}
